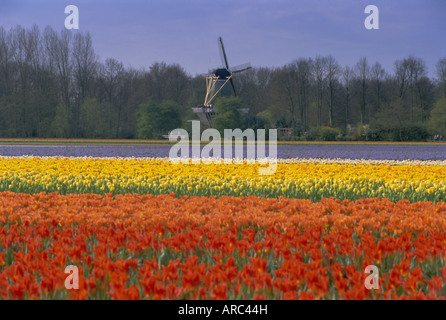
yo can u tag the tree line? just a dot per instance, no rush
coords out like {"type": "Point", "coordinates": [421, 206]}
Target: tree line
{"type": "Point", "coordinates": [54, 85]}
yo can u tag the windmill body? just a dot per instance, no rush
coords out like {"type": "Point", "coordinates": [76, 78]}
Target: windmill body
{"type": "Point", "coordinates": [215, 83]}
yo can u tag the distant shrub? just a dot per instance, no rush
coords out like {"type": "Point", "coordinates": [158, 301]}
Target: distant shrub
{"type": "Point", "coordinates": [372, 133]}
{"type": "Point", "coordinates": [282, 122]}
{"type": "Point", "coordinates": [284, 138]}
{"type": "Point", "coordinates": [344, 138]}
{"type": "Point", "coordinates": [405, 133]}
{"type": "Point", "coordinates": [312, 134]}
{"type": "Point", "coordinates": [412, 133]}
{"type": "Point", "coordinates": [363, 132]}
{"type": "Point", "coordinates": [328, 134]}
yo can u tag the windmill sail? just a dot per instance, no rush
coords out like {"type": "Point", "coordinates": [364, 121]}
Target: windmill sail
{"type": "Point", "coordinates": [216, 84]}
{"type": "Point", "coordinates": [240, 68]}
{"type": "Point", "coordinates": [223, 57]}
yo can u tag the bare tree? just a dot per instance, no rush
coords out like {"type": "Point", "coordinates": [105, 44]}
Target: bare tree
{"type": "Point", "coordinates": [286, 89]}
{"type": "Point", "coordinates": [304, 69]}
{"type": "Point", "coordinates": [21, 99]}
{"type": "Point", "coordinates": [362, 70]}
{"type": "Point", "coordinates": [125, 112]}
{"type": "Point", "coordinates": [38, 88]}
{"type": "Point", "coordinates": [8, 116]}
{"type": "Point", "coordinates": [246, 86]}
{"type": "Point", "coordinates": [168, 82]}
{"type": "Point", "coordinates": [425, 93]}
{"type": "Point", "coordinates": [84, 63]}
{"type": "Point", "coordinates": [347, 76]}
{"type": "Point", "coordinates": [401, 74]}
{"type": "Point", "coordinates": [112, 73]}
{"type": "Point", "coordinates": [408, 72]}
{"type": "Point", "coordinates": [320, 74]}
{"type": "Point", "coordinates": [58, 51]}
{"type": "Point", "coordinates": [333, 70]}
{"type": "Point", "coordinates": [441, 73]}
{"type": "Point", "coordinates": [378, 75]}
{"type": "Point", "coordinates": [5, 58]}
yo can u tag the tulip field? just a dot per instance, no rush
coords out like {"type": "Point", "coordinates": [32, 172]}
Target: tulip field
{"type": "Point", "coordinates": [147, 228]}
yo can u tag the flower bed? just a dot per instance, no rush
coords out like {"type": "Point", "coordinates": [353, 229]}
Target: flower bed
{"type": "Point", "coordinates": [165, 247]}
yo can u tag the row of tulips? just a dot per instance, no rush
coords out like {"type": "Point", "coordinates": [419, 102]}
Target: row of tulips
{"type": "Point", "coordinates": [301, 180]}
{"type": "Point", "coordinates": [166, 247]}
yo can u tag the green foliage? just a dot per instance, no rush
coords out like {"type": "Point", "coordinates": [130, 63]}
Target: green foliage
{"type": "Point", "coordinates": [411, 132]}
{"type": "Point", "coordinates": [59, 125]}
{"type": "Point", "coordinates": [153, 120]}
{"type": "Point", "coordinates": [254, 122]}
{"type": "Point", "coordinates": [324, 134]}
{"type": "Point", "coordinates": [437, 121]}
{"type": "Point", "coordinates": [414, 133]}
{"type": "Point", "coordinates": [227, 114]}
{"type": "Point", "coordinates": [93, 119]}
{"type": "Point", "coordinates": [268, 114]}
{"type": "Point", "coordinates": [328, 134]}
{"type": "Point", "coordinates": [344, 138]}
{"type": "Point", "coordinates": [145, 118]}
{"type": "Point", "coordinates": [282, 122]}
{"type": "Point", "coordinates": [312, 134]}
{"type": "Point", "coordinates": [394, 122]}
{"type": "Point", "coordinates": [363, 132]}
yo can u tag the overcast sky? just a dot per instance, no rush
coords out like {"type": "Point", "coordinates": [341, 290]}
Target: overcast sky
{"type": "Point", "coordinates": [266, 33]}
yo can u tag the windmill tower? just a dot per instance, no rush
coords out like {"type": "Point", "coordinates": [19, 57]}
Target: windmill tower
{"type": "Point", "coordinates": [215, 82]}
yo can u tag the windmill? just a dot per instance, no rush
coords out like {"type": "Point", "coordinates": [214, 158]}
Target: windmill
{"type": "Point", "coordinates": [215, 82]}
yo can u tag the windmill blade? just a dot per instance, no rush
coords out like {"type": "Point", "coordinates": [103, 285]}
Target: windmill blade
{"type": "Point", "coordinates": [241, 68]}
{"type": "Point", "coordinates": [223, 57]}
{"type": "Point", "coordinates": [233, 88]}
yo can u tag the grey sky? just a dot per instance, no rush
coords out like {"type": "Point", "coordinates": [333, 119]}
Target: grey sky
{"type": "Point", "coordinates": [265, 33]}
